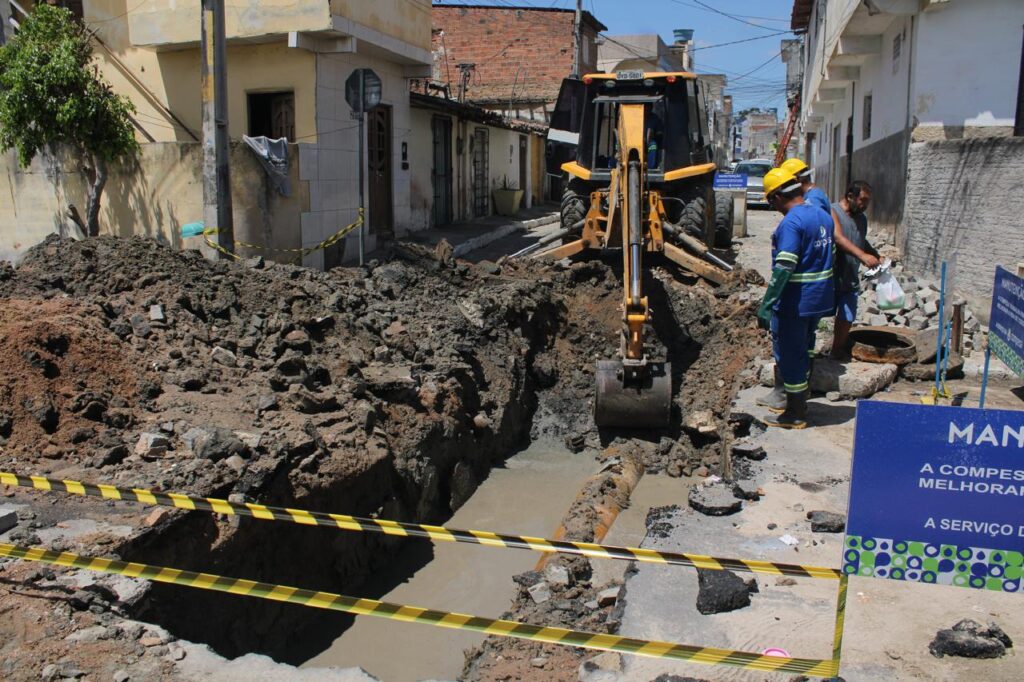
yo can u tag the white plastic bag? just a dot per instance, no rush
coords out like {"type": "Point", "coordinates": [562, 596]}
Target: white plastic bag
{"type": "Point", "coordinates": [888, 292]}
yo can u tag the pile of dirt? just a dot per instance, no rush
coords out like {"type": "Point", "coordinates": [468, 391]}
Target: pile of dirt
{"type": "Point", "coordinates": [64, 377]}
{"type": "Point", "coordinates": [387, 390]}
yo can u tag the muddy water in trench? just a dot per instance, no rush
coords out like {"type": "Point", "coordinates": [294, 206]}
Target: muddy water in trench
{"type": "Point", "coordinates": [528, 496]}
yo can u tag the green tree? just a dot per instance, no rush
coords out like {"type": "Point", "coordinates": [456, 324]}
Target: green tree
{"type": "Point", "coordinates": [51, 94]}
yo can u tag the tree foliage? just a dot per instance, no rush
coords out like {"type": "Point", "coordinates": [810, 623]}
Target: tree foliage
{"type": "Point", "coordinates": [52, 94]}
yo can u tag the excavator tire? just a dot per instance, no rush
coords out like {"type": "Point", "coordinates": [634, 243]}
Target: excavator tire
{"type": "Point", "coordinates": [574, 206]}
{"type": "Point", "coordinates": [693, 217]}
{"type": "Point", "coordinates": [723, 220]}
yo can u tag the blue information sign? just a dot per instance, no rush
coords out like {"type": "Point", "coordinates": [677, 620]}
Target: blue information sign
{"type": "Point", "coordinates": [937, 496]}
{"type": "Point", "coordinates": [1006, 325]}
{"type": "Point", "coordinates": [730, 181]}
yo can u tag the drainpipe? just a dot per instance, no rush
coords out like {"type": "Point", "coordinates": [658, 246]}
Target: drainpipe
{"type": "Point", "coordinates": [897, 237]}
{"type": "Point", "coordinates": [1018, 123]}
{"type": "Point", "coordinates": [849, 136]}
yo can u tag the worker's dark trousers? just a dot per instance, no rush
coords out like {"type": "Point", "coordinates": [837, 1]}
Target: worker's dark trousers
{"type": "Point", "coordinates": [792, 344]}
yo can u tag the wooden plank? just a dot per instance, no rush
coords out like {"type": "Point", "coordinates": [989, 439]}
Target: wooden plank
{"type": "Point", "coordinates": [696, 265]}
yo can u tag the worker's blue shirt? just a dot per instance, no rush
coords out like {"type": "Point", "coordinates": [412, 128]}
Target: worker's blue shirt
{"type": "Point", "coordinates": [817, 197]}
{"type": "Point", "coordinates": [804, 238]}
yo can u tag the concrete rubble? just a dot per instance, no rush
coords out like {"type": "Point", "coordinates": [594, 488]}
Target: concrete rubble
{"type": "Point", "coordinates": [970, 639]}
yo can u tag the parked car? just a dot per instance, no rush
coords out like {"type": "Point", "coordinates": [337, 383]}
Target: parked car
{"type": "Point", "coordinates": [755, 169]}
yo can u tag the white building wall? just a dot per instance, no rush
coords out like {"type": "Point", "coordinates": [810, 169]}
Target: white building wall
{"type": "Point", "coordinates": [331, 162]}
{"type": "Point", "coordinates": [887, 86]}
{"type": "Point", "coordinates": [967, 65]}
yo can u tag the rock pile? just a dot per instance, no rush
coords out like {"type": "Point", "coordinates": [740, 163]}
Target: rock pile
{"type": "Point", "coordinates": [920, 308]}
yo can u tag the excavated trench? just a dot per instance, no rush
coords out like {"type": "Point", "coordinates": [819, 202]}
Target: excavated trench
{"type": "Point", "coordinates": [425, 400]}
{"type": "Point", "coordinates": [372, 566]}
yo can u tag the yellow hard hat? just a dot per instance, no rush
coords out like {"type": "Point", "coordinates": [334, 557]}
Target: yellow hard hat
{"type": "Point", "coordinates": [779, 179]}
{"type": "Point", "coordinates": [795, 166]}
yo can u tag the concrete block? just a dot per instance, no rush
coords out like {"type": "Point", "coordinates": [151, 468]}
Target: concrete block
{"type": "Point", "coordinates": [851, 379]}
{"type": "Point", "coordinates": [918, 322]}
{"type": "Point", "coordinates": [8, 519]}
{"type": "Point", "coordinates": [931, 308]}
{"type": "Point", "coordinates": [152, 445]}
{"type": "Point", "coordinates": [878, 320]}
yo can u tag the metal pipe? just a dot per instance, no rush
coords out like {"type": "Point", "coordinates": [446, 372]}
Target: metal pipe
{"type": "Point", "coordinates": [634, 274]}
{"type": "Point", "coordinates": [547, 239]}
{"type": "Point", "coordinates": [693, 245]}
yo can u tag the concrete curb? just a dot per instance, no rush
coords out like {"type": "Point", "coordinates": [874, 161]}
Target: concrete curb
{"type": "Point", "coordinates": [501, 232]}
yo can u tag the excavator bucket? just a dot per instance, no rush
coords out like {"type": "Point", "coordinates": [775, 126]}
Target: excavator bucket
{"type": "Point", "coordinates": [633, 398]}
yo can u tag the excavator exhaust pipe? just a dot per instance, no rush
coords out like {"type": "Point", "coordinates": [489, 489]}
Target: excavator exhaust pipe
{"type": "Point", "coordinates": [633, 397]}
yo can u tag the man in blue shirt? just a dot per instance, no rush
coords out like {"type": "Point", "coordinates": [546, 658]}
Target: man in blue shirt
{"type": "Point", "coordinates": [800, 293]}
{"type": "Point", "coordinates": [812, 193]}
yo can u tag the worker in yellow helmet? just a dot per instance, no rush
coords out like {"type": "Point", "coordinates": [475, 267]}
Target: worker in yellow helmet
{"type": "Point", "coordinates": [812, 193]}
{"type": "Point", "coordinates": [800, 293]}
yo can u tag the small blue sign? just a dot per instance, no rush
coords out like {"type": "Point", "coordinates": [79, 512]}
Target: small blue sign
{"type": "Point", "coordinates": [1006, 325]}
{"type": "Point", "coordinates": [730, 181]}
{"type": "Point", "coordinates": [937, 496]}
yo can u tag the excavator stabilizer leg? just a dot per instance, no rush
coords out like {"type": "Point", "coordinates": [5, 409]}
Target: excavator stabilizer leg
{"type": "Point", "coordinates": [633, 397]}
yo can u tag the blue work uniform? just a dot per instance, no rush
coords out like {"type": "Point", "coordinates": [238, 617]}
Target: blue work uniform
{"type": "Point", "coordinates": [804, 240]}
{"type": "Point", "coordinates": [817, 197]}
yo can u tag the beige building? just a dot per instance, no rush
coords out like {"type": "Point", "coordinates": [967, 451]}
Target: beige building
{"type": "Point", "coordinates": [287, 65]}
{"type": "Point", "coordinates": [465, 154]}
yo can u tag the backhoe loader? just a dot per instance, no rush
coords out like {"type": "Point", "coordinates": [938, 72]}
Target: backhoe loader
{"type": "Point", "coordinates": [640, 177]}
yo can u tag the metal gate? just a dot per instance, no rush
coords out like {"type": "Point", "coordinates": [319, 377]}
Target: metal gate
{"type": "Point", "coordinates": [481, 188]}
{"type": "Point", "coordinates": [378, 163]}
{"type": "Point", "coordinates": [441, 176]}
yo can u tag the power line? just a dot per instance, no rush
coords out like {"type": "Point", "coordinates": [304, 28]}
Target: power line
{"type": "Point", "coordinates": [709, 8]}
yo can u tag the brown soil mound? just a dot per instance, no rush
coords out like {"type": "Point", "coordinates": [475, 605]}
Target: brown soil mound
{"type": "Point", "coordinates": [61, 372]}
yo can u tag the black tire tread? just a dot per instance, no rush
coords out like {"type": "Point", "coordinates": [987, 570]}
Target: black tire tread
{"type": "Point", "coordinates": [723, 220]}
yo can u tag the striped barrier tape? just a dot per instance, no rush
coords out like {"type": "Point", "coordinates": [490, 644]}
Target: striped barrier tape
{"type": "Point", "coordinates": [415, 614]}
{"type": "Point", "coordinates": [330, 241]}
{"type": "Point", "coordinates": [355, 523]}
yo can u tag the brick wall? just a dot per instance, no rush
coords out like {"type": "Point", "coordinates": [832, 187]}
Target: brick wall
{"type": "Point", "coordinates": [519, 53]}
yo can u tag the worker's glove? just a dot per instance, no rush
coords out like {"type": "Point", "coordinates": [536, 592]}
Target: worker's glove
{"type": "Point", "coordinates": [780, 276]}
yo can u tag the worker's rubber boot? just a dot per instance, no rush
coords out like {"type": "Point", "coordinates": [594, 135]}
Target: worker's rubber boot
{"type": "Point", "coordinates": [775, 400]}
{"type": "Point", "coordinates": [795, 414]}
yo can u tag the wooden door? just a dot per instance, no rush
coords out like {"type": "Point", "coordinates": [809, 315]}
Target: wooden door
{"type": "Point", "coordinates": [378, 167]}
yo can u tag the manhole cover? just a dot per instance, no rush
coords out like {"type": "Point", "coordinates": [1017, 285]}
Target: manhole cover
{"type": "Point", "coordinates": [883, 345]}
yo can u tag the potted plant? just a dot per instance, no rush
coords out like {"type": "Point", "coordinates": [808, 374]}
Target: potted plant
{"type": "Point", "coordinates": [507, 198]}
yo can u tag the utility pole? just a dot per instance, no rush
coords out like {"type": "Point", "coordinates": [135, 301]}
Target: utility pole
{"type": "Point", "coordinates": [577, 39]}
{"type": "Point", "coordinates": [216, 171]}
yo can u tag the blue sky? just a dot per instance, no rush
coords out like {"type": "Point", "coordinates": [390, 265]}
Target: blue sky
{"type": "Point", "coordinates": [764, 87]}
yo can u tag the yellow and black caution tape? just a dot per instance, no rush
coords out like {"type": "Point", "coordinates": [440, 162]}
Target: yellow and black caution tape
{"type": "Point", "coordinates": [355, 523]}
{"type": "Point", "coordinates": [330, 241]}
{"type": "Point", "coordinates": [837, 640]}
{"type": "Point", "coordinates": [414, 614]}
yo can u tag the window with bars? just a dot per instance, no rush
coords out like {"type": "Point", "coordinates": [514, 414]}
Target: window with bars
{"type": "Point", "coordinates": [866, 118]}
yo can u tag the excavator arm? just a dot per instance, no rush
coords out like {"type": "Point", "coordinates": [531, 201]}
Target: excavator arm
{"type": "Point", "coordinates": [633, 391]}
